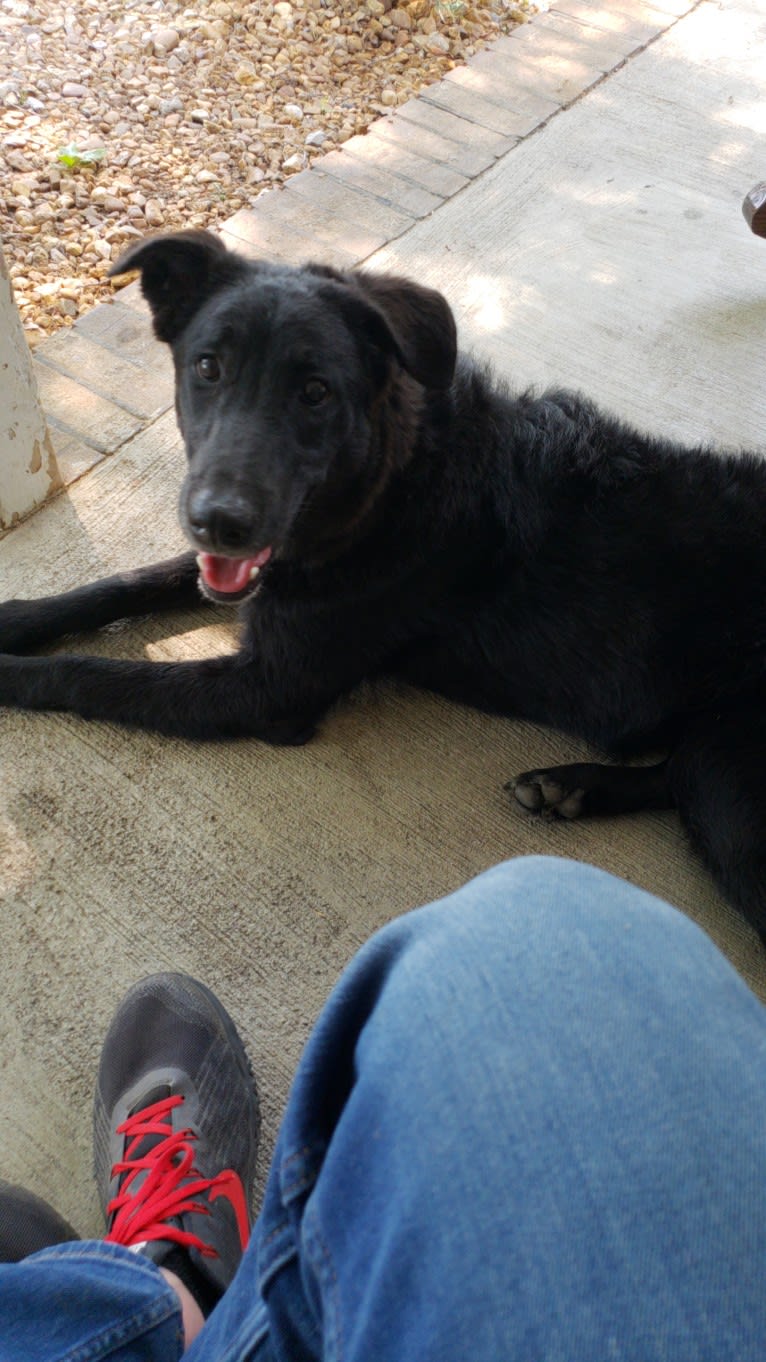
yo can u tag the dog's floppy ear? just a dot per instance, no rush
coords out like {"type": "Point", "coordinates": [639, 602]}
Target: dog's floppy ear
{"type": "Point", "coordinates": [421, 328]}
{"type": "Point", "coordinates": [179, 270]}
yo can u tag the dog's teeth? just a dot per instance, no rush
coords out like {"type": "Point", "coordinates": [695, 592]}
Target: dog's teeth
{"type": "Point", "coordinates": [253, 573]}
{"type": "Point", "coordinates": [199, 561]}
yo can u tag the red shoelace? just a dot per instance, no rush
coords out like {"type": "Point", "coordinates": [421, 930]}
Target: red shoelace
{"type": "Point", "coordinates": [171, 1186]}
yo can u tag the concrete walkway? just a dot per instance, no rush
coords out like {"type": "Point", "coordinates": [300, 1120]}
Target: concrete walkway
{"type": "Point", "coordinates": [575, 192]}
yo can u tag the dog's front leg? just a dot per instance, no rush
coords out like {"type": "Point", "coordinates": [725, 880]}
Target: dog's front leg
{"type": "Point", "coordinates": [26, 625]}
{"type": "Point", "coordinates": [222, 697]}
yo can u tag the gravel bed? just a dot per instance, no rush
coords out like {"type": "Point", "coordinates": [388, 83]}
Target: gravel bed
{"type": "Point", "coordinates": [122, 117]}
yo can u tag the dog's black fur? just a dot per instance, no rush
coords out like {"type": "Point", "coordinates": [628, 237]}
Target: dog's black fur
{"type": "Point", "coordinates": [528, 555]}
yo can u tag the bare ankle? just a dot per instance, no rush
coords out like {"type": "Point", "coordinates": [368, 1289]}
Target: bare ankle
{"type": "Point", "coordinates": [192, 1316]}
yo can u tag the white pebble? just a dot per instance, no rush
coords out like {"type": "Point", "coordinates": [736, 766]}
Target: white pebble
{"type": "Point", "coordinates": [165, 39]}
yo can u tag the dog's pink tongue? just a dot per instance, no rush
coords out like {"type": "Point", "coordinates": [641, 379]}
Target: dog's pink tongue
{"type": "Point", "coordinates": [230, 574]}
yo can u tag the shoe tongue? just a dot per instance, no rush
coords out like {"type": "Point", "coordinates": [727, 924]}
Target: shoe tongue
{"type": "Point", "coordinates": [149, 1142]}
{"type": "Point", "coordinates": [187, 1265]}
{"type": "Point", "coordinates": [156, 1249]}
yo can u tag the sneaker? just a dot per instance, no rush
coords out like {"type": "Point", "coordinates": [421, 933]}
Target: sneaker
{"type": "Point", "coordinates": [28, 1224]}
{"type": "Point", "coordinates": [175, 1133]}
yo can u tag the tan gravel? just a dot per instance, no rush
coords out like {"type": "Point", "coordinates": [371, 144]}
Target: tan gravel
{"type": "Point", "coordinates": [188, 114]}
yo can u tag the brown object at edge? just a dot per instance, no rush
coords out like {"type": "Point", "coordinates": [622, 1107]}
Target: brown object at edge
{"type": "Point", "coordinates": [754, 209]}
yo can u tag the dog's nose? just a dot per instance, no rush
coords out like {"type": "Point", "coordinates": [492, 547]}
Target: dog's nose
{"type": "Point", "coordinates": [219, 523]}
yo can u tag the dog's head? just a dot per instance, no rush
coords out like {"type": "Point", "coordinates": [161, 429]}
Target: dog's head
{"type": "Point", "coordinates": [298, 393]}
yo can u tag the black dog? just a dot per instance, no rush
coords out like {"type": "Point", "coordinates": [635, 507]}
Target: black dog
{"type": "Point", "coordinates": [379, 507]}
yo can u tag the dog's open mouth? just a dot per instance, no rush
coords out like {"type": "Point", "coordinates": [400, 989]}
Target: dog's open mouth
{"type": "Point", "coordinates": [230, 579]}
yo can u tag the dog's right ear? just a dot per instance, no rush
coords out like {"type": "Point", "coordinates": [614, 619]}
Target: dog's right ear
{"type": "Point", "coordinates": [179, 271]}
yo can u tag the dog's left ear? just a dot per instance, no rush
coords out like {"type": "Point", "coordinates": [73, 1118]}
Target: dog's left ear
{"type": "Point", "coordinates": [418, 326]}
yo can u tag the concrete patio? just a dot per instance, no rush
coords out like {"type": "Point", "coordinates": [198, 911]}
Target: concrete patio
{"type": "Point", "coordinates": [575, 193]}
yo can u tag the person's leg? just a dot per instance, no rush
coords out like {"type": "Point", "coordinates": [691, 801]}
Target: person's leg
{"type": "Point", "coordinates": [89, 1301]}
{"type": "Point", "coordinates": [28, 1225]}
{"type": "Point", "coordinates": [529, 1124]}
{"type": "Point", "coordinates": [175, 1140]}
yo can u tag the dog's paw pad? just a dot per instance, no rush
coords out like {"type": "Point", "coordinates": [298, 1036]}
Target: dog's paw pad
{"type": "Point", "coordinates": [570, 804]}
{"type": "Point", "coordinates": [552, 792]}
{"type": "Point", "coordinates": [538, 792]}
{"type": "Point", "coordinates": [528, 795]}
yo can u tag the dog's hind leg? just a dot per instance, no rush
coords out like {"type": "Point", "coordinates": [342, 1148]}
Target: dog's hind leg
{"type": "Point", "coordinates": [587, 788]}
{"type": "Point", "coordinates": [717, 776]}
{"type": "Point", "coordinates": [26, 625]}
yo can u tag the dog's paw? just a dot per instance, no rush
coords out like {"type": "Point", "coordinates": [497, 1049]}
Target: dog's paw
{"type": "Point", "coordinates": [545, 792]}
{"type": "Point", "coordinates": [287, 732]}
{"type": "Point", "coordinates": [15, 633]}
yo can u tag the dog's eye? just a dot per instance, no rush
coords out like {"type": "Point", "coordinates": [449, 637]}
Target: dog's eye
{"type": "Point", "coordinates": [207, 367]}
{"type": "Point", "coordinates": [314, 392]}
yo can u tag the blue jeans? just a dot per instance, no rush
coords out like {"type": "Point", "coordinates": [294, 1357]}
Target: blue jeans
{"type": "Point", "coordinates": [529, 1124]}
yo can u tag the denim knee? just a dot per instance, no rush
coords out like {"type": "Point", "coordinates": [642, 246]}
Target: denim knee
{"type": "Point", "coordinates": [525, 1053]}
{"type": "Point", "coordinates": [540, 913]}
